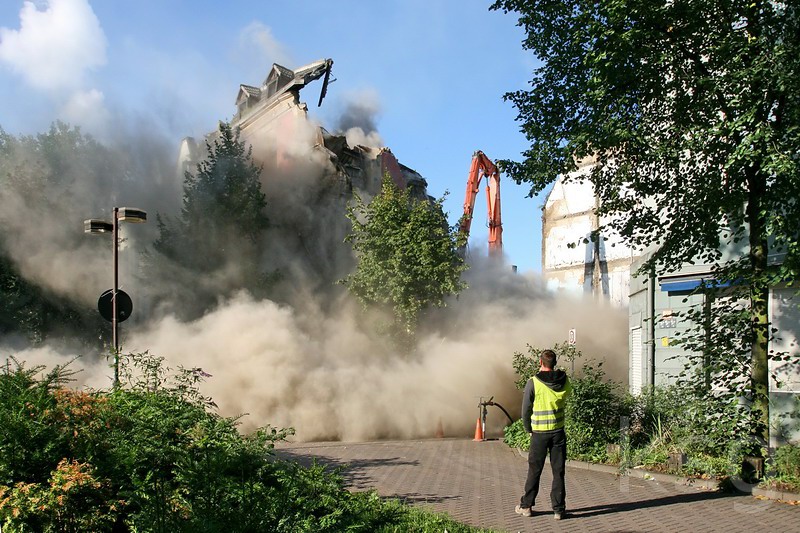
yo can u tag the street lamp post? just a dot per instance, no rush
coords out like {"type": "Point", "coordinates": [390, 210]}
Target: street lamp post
{"type": "Point", "coordinates": [96, 226]}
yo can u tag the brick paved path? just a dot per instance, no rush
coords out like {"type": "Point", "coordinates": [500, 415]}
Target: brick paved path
{"type": "Point", "coordinates": [479, 483]}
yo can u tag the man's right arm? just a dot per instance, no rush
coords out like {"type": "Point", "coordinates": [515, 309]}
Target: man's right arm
{"type": "Point", "coordinates": [527, 405]}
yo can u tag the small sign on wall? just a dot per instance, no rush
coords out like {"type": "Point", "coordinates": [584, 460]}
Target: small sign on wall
{"type": "Point", "coordinates": [668, 320]}
{"type": "Point", "coordinates": [572, 337]}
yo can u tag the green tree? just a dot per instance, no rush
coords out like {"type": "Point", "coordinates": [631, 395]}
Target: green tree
{"type": "Point", "coordinates": [36, 314]}
{"type": "Point", "coordinates": [39, 175]}
{"type": "Point", "coordinates": [407, 256]}
{"type": "Point", "coordinates": [222, 220]}
{"type": "Point", "coordinates": [692, 109]}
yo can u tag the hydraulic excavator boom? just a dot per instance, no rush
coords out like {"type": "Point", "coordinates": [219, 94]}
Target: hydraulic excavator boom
{"type": "Point", "coordinates": [483, 166]}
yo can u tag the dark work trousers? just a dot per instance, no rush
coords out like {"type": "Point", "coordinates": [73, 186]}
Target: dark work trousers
{"type": "Point", "coordinates": [555, 443]}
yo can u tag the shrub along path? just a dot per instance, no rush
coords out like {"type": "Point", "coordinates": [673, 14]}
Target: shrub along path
{"type": "Point", "coordinates": [479, 483]}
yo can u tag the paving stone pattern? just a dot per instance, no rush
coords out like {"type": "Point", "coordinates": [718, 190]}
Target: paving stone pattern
{"type": "Point", "coordinates": [479, 483]}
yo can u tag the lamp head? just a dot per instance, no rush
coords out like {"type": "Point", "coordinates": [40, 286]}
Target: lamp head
{"type": "Point", "coordinates": [131, 214]}
{"type": "Point", "coordinates": [95, 226]}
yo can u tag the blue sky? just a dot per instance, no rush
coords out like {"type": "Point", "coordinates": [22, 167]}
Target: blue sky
{"type": "Point", "coordinates": [435, 72]}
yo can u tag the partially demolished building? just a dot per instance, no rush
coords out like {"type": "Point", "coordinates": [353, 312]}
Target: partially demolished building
{"type": "Point", "coordinates": [309, 174]}
{"type": "Point", "coordinates": [273, 119]}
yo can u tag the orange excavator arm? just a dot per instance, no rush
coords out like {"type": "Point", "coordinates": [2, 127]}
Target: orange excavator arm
{"type": "Point", "coordinates": [482, 166]}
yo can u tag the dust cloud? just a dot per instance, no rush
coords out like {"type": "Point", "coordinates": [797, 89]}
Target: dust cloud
{"type": "Point", "coordinates": [50, 189]}
{"type": "Point", "coordinates": [309, 358]}
{"type": "Point", "coordinates": [328, 377]}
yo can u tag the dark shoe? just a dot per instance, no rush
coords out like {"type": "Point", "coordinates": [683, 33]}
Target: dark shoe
{"type": "Point", "coordinates": [524, 511]}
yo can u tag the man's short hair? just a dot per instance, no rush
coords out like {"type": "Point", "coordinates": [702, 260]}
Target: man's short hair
{"type": "Point", "coordinates": [548, 358]}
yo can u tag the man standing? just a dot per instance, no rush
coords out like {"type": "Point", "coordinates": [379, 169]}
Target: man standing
{"type": "Point", "coordinates": [543, 404]}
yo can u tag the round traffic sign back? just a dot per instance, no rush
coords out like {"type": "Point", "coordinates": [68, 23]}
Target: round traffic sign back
{"type": "Point", "coordinates": [105, 304]}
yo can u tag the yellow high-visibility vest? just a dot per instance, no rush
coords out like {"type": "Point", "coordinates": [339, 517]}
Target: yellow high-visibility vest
{"type": "Point", "coordinates": [548, 406]}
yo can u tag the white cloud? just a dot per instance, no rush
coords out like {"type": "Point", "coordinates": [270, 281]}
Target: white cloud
{"type": "Point", "coordinates": [87, 109]}
{"type": "Point", "coordinates": [54, 47]}
{"type": "Point", "coordinates": [256, 36]}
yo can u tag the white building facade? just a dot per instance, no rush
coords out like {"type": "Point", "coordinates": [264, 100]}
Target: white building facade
{"type": "Point", "coordinates": [571, 260]}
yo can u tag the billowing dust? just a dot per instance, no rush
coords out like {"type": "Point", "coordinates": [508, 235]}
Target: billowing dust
{"type": "Point", "coordinates": [312, 361]}
{"type": "Point", "coordinates": [327, 378]}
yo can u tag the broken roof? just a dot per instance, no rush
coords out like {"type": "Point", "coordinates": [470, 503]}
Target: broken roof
{"type": "Point", "coordinates": [285, 79]}
{"type": "Point", "coordinates": [312, 71]}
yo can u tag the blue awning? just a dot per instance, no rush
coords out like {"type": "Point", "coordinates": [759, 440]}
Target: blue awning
{"type": "Point", "coordinates": [689, 284]}
{"type": "Point", "coordinates": [674, 286]}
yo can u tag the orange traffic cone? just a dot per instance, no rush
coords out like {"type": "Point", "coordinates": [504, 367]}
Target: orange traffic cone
{"type": "Point", "coordinates": [478, 431]}
{"type": "Point", "coordinates": [439, 430]}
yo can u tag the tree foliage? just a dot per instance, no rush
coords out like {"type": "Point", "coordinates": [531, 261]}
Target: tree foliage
{"type": "Point", "coordinates": [35, 314]}
{"type": "Point", "coordinates": [223, 206]}
{"type": "Point", "coordinates": [719, 343]}
{"type": "Point", "coordinates": [407, 255]}
{"type": "Point", "coordinates": [39, 177]}
{"type": "Point", "coordinates": [692, 110]}
{"type": "Point", "coordinates": [222, 220]}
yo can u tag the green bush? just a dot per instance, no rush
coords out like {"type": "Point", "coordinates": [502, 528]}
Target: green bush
{"type": "Point", "coordinates": [152, 456]}
{"type": "Point", "coordinates": [527, 364]}
{"type": "Point", "coordinates": [786, 468]}
{"type": "Point", "coordinates": [670, 419]}
{"type": "Point", "coordinates": [787, 461]}
{"type": "Point", "coordinates": [30, 445]}
{"type": "Point", "coordinates": [713, 466]}
{"type": "Point", "coordinates": [515, 436]}
{"type": "Point", "coordinates": [594, 411]}
{"type": "Point", "coordinates": [72, 500]}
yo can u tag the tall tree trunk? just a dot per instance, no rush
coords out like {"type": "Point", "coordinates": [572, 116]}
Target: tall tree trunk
{"type": "Point", "coordinates": [759, 298]}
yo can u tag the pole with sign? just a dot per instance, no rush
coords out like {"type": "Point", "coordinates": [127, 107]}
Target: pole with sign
{"type": "Point", "coordinates": [572, 339]}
